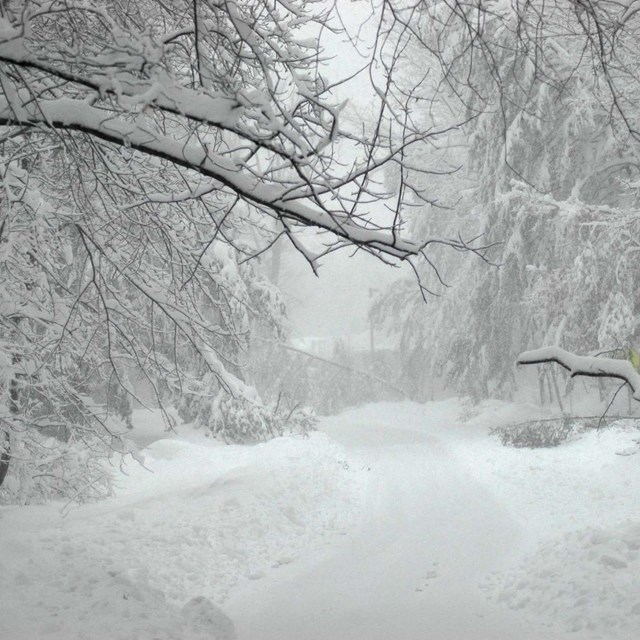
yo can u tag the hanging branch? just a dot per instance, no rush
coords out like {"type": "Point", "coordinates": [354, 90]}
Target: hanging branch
{"type": "Point", "coordinates": [588, 366]}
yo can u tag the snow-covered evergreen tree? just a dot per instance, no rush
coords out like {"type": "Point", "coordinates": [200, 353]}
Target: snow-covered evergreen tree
{"type": "Point", "coordinates": [550, 172]}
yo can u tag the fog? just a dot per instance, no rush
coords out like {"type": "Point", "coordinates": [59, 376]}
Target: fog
{"type": "Point", "coordinates": [336, 302]}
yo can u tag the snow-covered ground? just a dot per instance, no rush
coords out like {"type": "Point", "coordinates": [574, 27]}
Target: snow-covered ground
{"type": "Point", "coordinates": [396, 520]}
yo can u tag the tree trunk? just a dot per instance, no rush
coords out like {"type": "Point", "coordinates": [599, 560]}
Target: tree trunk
{"type": "Point", "coordinates": [5, 457]}
{"type": "Point", "coordinates": [14, 408]}
{"type": "Point", "coordinates": [541, 378]}
{"type": "Point", "coordinates": [557, 390]}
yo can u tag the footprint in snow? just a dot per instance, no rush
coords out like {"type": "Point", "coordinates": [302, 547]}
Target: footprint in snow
{"type": "Point", "coordinates": [255, 575]}
{"type": "Point", "coordinates": [432, 574]}
{"type": "Point", "coordinates": [281, 562]}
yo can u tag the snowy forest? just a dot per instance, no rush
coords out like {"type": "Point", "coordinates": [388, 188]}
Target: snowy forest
{"type": "Point", "coordinates": [319, 319]}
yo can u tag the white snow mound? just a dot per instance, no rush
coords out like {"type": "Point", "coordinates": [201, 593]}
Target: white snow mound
{"type": "Point", "coordinates": [157, 561]}
{"type": "Point", "coordinates": [584, 581]}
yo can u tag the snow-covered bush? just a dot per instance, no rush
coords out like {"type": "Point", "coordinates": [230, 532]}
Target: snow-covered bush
{"type": "Point", "coordinates": [539, 433]}
{"type": "Point", "coordinates": [243, 420]}
{"type": "Point", "coordinates": [46, 468]}
{"type": "Point", "coordinates": [551, 432]}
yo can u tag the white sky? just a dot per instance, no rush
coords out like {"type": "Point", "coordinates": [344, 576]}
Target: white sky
{"type": "Point", "coordinates": [337, 302]}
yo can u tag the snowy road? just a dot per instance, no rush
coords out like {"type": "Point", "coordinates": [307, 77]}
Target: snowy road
{"type": "Point", "coordinates": [413, 570]}
{"type": "Point", "coordinates": [394, 522]}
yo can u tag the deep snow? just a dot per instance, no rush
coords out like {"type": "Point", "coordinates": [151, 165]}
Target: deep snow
{"type": "Point", "coordinates": [396, 520]}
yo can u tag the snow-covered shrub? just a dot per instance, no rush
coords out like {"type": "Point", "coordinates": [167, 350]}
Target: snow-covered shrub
{"type": "Point", "coordinates": [540, 433]}
{"type": "Point", "coordinates": [46, 468]}
{"type": "Point", "coordinates": [239, 420]}
{"type": "Point", "coordinates": [551, 432]}
{"type": "Point", "coordinates": [242, 420]}
{"type": "Point", "coordinates": [296, 419]}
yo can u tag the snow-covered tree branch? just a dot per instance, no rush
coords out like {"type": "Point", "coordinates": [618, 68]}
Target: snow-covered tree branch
{"type": "Point", "coordinates": [589, 366]}
{"type": "Point", "coordinates": [548, 169]}
{"type": "Point", "coordinates": [234, 93]}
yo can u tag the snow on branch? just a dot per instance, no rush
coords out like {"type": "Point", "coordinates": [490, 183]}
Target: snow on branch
{"type": "Point", "coordinates": [590, 366]}
{"type": "Point", "coordinates": [71, 114]}
{"type": "Point", "coordinates": [234, 93]}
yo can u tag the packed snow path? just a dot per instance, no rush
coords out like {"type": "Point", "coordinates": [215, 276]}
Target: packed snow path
{"type": "Point", "coordinates": [413, 569]}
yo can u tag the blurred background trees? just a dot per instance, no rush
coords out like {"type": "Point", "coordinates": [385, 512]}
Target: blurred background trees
{"type": "Point", "coordinates": [548, 168]}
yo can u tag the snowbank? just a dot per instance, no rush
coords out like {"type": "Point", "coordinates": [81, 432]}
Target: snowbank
{"type": "Point", "coordinates": [206, 520]}
{"type": "Point", "coordinates": [585, 580]}
{"type": "Point", "coordinates": [579, 568]}
{"type": "Point", "coordinates": [574, 563]}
